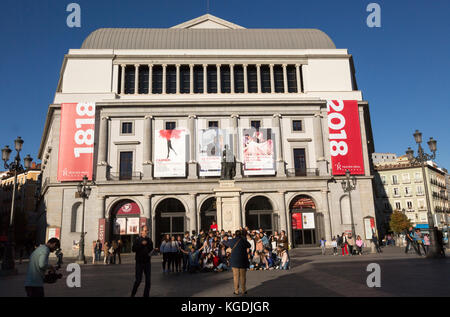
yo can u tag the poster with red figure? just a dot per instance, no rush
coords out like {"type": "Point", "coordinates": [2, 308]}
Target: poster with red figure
{"type": "Point", "coordinates": [170, 153]}
{"type": "Point", "coordinates": [258, 153]}
{"type": "Point", "coordinates": [76, 141]}
{"type": "Point", "coordinates": [345, 137]}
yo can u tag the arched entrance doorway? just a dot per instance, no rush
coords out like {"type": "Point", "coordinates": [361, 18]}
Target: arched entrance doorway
{"type": "Point", "coordinates": [259, 214]}
{"type": "Point", "coordinates": [124, 223]}
{"type": "Point", "coordinates": [208, 213]}
{"type": "Point", "coordinates": [304, 221]}
{"type": "Point", "coordinates": [170, 218]}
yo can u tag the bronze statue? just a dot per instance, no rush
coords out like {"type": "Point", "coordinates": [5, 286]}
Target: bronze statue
{"type": "Point", "coordinates": [228, 168]}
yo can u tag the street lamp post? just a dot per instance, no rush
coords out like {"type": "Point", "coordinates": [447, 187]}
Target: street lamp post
{"type": "Point", "coordinates": [8, 264]}
{"type": "Point", "coordinates": [84, 190]}
{"type": "Point", "coordinates": [348, 185]}
{"type": "Point", "coordinates": [421, 158]}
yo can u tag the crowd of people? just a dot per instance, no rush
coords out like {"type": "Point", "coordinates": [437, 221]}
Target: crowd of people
{"type": "Point", "coordinates": [210, 252]}
{"type": "Point", "coordinates": [348, 244]}
{"type": "Point", "coordinates": [111, 252]}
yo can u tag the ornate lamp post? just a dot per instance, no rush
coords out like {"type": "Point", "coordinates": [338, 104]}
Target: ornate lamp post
{"type": "Point", "coordinates": [421, 158]}
{"type": "Point", "coordinates": [84, 190]}
{"type": "Point", "coordinates": [8, 264]}
{"type": "Point", "coordinates": [348, 185]}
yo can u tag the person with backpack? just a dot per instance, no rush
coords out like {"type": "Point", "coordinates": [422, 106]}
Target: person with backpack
{"type": "Point", "coordinates": [239, 261]}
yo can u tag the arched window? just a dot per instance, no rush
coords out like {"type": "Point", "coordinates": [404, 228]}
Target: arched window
{"type": "Point", "coordinates": [345, 211]}
{"type": "Point", "coordinates": [76, 219]}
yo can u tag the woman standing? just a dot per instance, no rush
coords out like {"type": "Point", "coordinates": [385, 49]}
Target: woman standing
{"type": "Point", "coordinates": [252, 244]}
{"type": "Point", "coordinates": [259, 246]}
{"type": "Point", "coordinates": [344, 243]}
{"type": "Point", "coordinates": [106, 253]}
{"type": "Point", "coordinates": [351, 243]}
{"type": "Point", "coordinates": [94, 245]}
{"type": "Point", "coordinates": [173, 247]}
{"type": "Point", "coordinates": [426, 242]}
{"type": "Point", "coordinates": [283, 240]}
{"type": "Point", "coordinates": [164, 249]}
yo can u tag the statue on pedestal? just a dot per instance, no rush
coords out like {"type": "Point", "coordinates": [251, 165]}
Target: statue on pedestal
{"type": "Point", "coordinates": [228, 170]}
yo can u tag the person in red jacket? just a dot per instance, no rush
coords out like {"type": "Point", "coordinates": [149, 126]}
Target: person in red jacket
{"type": "Point", "coordinates": [214, 226]}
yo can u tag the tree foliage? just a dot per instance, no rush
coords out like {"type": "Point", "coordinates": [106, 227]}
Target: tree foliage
{"type": "Point", "coordinates": [399, 222]}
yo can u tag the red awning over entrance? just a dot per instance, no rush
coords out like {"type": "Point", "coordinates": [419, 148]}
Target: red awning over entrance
{"type": "Point", "coordinates": [126, 208]}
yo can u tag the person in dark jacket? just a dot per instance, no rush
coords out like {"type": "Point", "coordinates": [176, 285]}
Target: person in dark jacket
{"type": "Point", "coordinates": [239, 260]}
{"type": "Point", "coordinates": [142, 246]}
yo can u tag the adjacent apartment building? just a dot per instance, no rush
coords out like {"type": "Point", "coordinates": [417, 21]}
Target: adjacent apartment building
{"type": "Point", "coordinates": [161, 104]}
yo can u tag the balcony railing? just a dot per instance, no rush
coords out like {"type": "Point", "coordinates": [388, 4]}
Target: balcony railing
{"type": "Point", "coordinates": [124, 176]}
{"type": "Point", "coordinates": [292, 172]}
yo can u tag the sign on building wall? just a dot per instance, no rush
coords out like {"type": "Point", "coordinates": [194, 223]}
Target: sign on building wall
{"type": "Point", "coordinates": [257, 152]}
{"type": "Point", "coordinates": [170, 153]}
{"type": "Point", "coordinates": [128, 208]}
{"type": "Point", "coordinates": [102, 230]}
{"type": "Point", "coordinates": [211, 143]}
{"type": "Point", "coordinates": [133, 225]}
{"type": "Point", "coordinates": [54, 232]}
{"type": "Point", "coordinates": [297, 222]}
{"type": "Point", "coordinates": [345, 137]}
{"type": "Point", "coordinates": [308, 220]}
{"type": "Point", "coordinates": [76, 141]}
{"type": "Point", "coordinates": [369, 227]}
{"type": "Point", "coordinates": [120, 226]}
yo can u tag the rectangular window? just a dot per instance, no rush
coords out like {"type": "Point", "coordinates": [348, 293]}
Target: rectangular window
{"type": "Point", "coordinates": [394, 179]}
{"type": "Point", "coordinates": [418, 177]}
{"type": "Point", "coordinates": [278, 77]}
{"type": "Point", "coordinates": [198, 79]}
{"type": "Point", "coordinates": [406, 178]}
{"type": "Point", "coordinates": [225, 86]}
{"type": "Point", "coordinates": [256, 124]}
{"type": "Point", "coordinates": [421, 203]}
{"type": "Point", "coordinates": [171, 79]}
{"type": "Point", "coordinates": [383, 179]}
{"type": "Point", "coordinates": [126, 165]}
{"type": "Point", "coordinates": [396, 192]}
{"type": "Point", "coordinates": [211, 73]}
{"type": "Point", "coordinates": [213, 124]}
{"type": "Point", "coordinates": [300, 162]}
{"type": "Point", "coordinates": [170, 125]}
{"type": "Point", "coordinates": [157, 72]}
{"type": "Point", "coordinates": [127, 127]}
{"type": "Point", "coordinates": [296, 125]}
{"type": "Point", "coordinates": [398, 205]}
{"type": "Point", "coordinates": [407, 191]}
{"type": "Point", "coordinates": [409, 204]}
{"type": "Point", "coordinates": [291, 78]}
{"type": "Point", "coordinates": [143, 79]}
{"type": "Point", "coordinates": [185, 78]}
{"type": "Point", "coordinates": [265, 78]}
{"type": "Point", "coordinates": [252, 78]}
{"type": "Point", "coordinates": [129, 79]}
{"type": "Point", "coordinates": [238, 78]}
{"type": "Point", "coordinates": [419, 189]}
{"type": "Point", "coordinates": [119, 82]}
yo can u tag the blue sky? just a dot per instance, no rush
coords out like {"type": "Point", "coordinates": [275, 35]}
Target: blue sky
{"type": "Point", "coordinates": [402, 68]}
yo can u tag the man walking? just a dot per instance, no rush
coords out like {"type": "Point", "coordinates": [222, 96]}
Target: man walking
{"type": "Point", "coordinates": [239, 260]}
{"type": "Point", "coordinates": [34, 281]}
{"type": "Point", "coordinates": [410, 240]}
{"type": "Point", "coordinates": [142, 246]}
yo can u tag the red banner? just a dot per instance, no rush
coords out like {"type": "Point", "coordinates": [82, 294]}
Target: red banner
{"type": "Point", "coordinates": [142, 222]}
{"type": "Point", "coordinates": [128, 208]}
{"type": "Point", "coordinates": [297, 221]}
{"type": "Point", "coordinates": [102, 230]}
{"type": "Point", "coordinates": [345, 137]}
{"type": "Point", "coordinates": [76, 141]}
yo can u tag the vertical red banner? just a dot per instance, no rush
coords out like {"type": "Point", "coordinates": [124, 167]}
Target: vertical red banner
{"type": "Point", "coordinates": [76, 141]}
{"type": "Point", "coordinates": [345, 137]}
{"type": "Point", "coordinates": [142, 222]}
{"type": "Point", "coordinates": [297, 222]}
{"type": "Point", "coordinates": [102, 230]}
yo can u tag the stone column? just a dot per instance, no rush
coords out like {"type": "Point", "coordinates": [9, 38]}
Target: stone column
{"type": "Point", "coordinates": [101, 211]}
{"type": "Point", "coordinates": [150, 78]}
{"type": "Point", "coordinates": [288, 223]}
{"type": "Point", "coordinates": [122, 79]}
{"type": "Point", "coordinates": [280, 166]}
{"type": "Point", "coordinates": [192, 162]}
{"type": "Point", "coordinates": [193, 213]}
{"type": "Point", "coordinates": [146, 204]}
{"type": "Point", "coordinates": [178, 79]}
{"type": "Point", "coordinates": [147, 151]}
{"type": "Point", "coordinates": [205, 79]}
{"type": "Point", "coordinates": [102, 166]}
{"type": "Point", "coordinates": [235, 131]}
{"type": "Point", "coordinates": [326, 215]}
{"type": "Point", "coordinates": [272, 79]}
{"type": "Point", "coordinates": [232, 78]}
{"type": "Point", "coordinates": [191, 78]}
{"type": "Point", "coordinates": [283, 215]}
{"type": "Point", "coordinates": [258, 75]}
{"type": "Point", "coordinates": [318, 136]}
{"type": "Point", "coordinates": [219, 90]}
{"type": "Point", "coordinates": [285, 78]}
{"type": "Point", "coordinates": [299, 80]}
{"type": "Point", "coordinates": [136, 79]}
{"type": "Point", "coordinates": [244, 66]}
{"type": "Point", "coordinates": [164, 66]}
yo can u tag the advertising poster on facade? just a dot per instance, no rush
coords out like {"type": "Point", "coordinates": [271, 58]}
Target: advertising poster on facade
{"type": "Point", "coordinates": [345, 137]}
{"type": "Point", "coordinates": [369, 227]}
{"type": "Point", "coordinates": [133, 225]}
{"type": "Point", "coordinates": [258, 152]}
{"type": "Point", "coordinates": [297, 222]}
{"type": "Point", "coordinates": [308, 220]}
{"type": "Point", "coordinates": [211, 143]}
{"type": "Point", "coordinates": [120, 226]}
{"type": "Point", "coordinates": [170, 153]}
{"type": "Point", "coordinates": [76, 141]}
{"type": "Point", "coordinates": [54, 232]}
{"type": "Point", "coordinates": [102, 230]}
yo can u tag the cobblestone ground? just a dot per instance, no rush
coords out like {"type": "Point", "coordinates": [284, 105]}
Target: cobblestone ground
{"type": "Point", "coordinates": [311, 274]}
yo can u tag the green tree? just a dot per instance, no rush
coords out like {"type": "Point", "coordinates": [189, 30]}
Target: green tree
{"type": "Point", "coordinates": [399, 222]}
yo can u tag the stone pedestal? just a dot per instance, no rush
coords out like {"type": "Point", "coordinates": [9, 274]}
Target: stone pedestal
{"type": "Point", "coordinates": [192, 170]}
{"type": "Point", "coordinates": [281, 171]}
{"type": "Point", "coordinates": [228, 206]}
{"type": "Point", "coordinates": [102, 169]}
{"type": "Point", "coordinates": [147, 169]}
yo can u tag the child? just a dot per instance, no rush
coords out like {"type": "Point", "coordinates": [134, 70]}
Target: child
{"type": "Point", "coordinates": [334, 245]}
{"type": "Point", "coordinates": [322, 245]}
{"type": "Point", "coordinates": [284, 260]}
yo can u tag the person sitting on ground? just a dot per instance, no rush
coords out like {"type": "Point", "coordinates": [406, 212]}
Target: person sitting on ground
{"type": "Point", "coordinates": [359, 245]}
{"type": "Point", "coordinates": [193, 258]}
